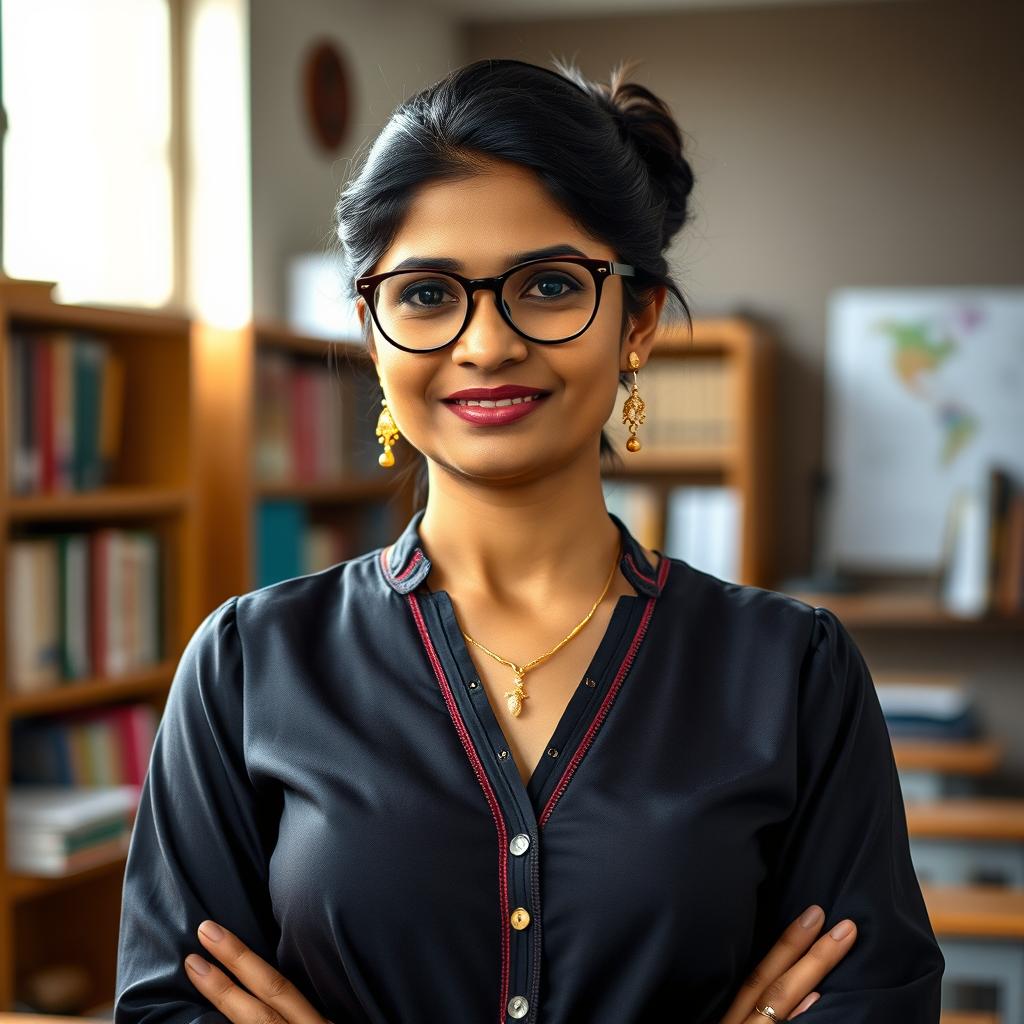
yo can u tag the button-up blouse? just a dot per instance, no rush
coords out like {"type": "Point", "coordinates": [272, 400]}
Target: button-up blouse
{"type": "Point", "coordinates": [330, 782]}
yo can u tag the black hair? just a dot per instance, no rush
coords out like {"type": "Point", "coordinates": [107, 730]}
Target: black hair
{"type": "Point", "coordinates": [610, 154]}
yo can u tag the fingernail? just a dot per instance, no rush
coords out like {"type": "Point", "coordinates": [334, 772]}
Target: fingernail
{"type": "Point", "coordinates": [807, 1003]}
{"type": "Point", "coordinates": [212, 931]}
{"type": "Point", "coordinates": [842, 929]}
{"type": "Point", "coordinates": [197, 963]}
{"type": "Point", "coordinates": [812, 915]}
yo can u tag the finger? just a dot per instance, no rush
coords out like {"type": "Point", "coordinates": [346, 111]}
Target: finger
{"type": "Point", "coordinates": [234, 1002]}
{"type": "Point", "coordinates": [783, 994]}
{"type": "Point", "coordinates": [263, 980]}
{"type": "Point", "coordinates": [805, 1004]}
{"type": "Point", "coordinates": [792, 945]}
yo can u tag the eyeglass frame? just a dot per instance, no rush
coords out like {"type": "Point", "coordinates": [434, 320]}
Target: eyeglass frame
{"type": "Point", "coordinates": [600, 270]}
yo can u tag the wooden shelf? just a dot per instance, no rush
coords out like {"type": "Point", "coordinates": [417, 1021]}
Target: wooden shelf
{"type": "Point", "coordinates": [744, 351]}
{"type": "Point", "coordinates": [157, 487]}
{"type": "Point", "coordinates": [81, 693]}
{"type": "Point", "coordinates": [975, 911]}
{"type": "Point", "coordinates": [102, 503]}
{"type": "Point", "coordinates": [23, 888]}
{"type": "Point", "coordinates": [331, 491]}
{"type": "Point", "coordinates": [684, 461]}
{"type": "Point", "coordinates": [32, 301]}
{"type": "Point", "coordinates": [999, 819]}
{"type": "Point", "coordinates": [899, 609]}
{"type": "Point", "coordinates": [953, 757]}
{"type": "Point", "coordinates": [230, 488]}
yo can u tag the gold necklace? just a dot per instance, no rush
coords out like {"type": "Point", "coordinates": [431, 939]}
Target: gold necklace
{"type": "Point", "coordinates": [515, 697]}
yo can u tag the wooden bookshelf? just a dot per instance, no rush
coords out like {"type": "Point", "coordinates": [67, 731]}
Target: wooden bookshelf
{"type": "Point", "coordinates": [889, 608]}
{"type": "Point", "coordinates": [152, 485]}
{"type": "Point", "coordinates": [231, 487]}
{"type": "Point", "coordinates": [742, 353]}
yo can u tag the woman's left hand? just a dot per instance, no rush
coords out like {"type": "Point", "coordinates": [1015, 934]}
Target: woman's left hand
{"type": "Point", "coordinates": [270, 996]}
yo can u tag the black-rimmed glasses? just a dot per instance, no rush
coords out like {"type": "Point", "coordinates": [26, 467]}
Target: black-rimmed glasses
{"type": "Point", "coordinates": [549, 301]}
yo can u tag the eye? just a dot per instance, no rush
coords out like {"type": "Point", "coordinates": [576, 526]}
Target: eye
{"type": "Point", "coordinates": [554, 286]}
{"type": "Point", "coordinates": [424, 295]}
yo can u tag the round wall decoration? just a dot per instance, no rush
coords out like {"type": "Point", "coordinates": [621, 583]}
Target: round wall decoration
{"type": "Point", "coordinates": [327, 95]}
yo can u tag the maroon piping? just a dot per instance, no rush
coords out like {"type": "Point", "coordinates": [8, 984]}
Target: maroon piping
{"type": "Point", "coordinates": [478, 770]}
{"type": "Point", "coordinates": [413, 562]}
{"type": "Point", "coordinates": [607, 702]}
{"type": "Point", "coordinates": [629, 558]}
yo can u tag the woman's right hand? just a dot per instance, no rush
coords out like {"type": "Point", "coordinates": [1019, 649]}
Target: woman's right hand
{"type": "Point", "coordinates": [785, 978]}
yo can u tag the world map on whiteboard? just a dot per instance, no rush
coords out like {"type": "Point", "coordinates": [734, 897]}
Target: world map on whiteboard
{"type": "Point", "coordinates": [924, 391]}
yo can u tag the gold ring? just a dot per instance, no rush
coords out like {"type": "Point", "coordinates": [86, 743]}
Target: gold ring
{"type": "Point", "coordinates": [767, 1011]}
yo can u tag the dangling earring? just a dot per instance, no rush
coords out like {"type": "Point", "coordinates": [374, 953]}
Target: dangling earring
{"type": "Point", "coordinates": [387, 434]}
{"type": "Point", "coordinates": [634, 407]}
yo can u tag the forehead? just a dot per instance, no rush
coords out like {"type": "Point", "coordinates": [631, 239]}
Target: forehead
{"type": "Point", "coordinates": [480, 220]}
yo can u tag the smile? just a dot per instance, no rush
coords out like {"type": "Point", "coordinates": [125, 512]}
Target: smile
{"type": "Point", "coordinates": [497, 404]}
{"type": "Point", "coordinates": [488, 412]}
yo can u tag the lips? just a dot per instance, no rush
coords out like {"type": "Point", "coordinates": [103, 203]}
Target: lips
{"type": "Point", "coordinates": [495, 394]}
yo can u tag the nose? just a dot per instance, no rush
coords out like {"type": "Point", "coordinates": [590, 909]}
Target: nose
{"type": "Point", "coordinates": [487, 340]}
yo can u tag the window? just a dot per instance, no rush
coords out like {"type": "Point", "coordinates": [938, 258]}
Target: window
{"type": "Point", "coordinates": [88, 161]}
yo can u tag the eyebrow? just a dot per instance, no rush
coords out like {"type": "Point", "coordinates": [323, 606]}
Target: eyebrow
{"type": "Point", "coordinates": [447, 263]}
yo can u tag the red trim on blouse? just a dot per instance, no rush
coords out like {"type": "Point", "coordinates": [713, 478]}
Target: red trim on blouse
{"type": "Point", "coordinates": [478, 770]}
{"type": "Point", "coordinates": [607, 702]}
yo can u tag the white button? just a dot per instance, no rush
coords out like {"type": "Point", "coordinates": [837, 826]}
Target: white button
{"type": "Point", "coordinates": [518, 1007]}
{"type": "Point", "coordinates": [520, 844]}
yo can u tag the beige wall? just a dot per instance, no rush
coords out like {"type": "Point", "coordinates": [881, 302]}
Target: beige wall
{"type": "Point", "coordinates": [874, 144]}
{"type": "Point", "coordinates": [847, 144]}
{"type": "Point", "coordinates": [392, 53]}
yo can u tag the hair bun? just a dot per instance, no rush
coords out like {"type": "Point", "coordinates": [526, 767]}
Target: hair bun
{"type": "Point", "coordinates": [646, 121]}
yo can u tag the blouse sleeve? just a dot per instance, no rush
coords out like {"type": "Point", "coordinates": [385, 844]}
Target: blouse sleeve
{"type": "Point", "coordinates": [197, 848]}
{"type": "Point", "coordinates": [845, 847]}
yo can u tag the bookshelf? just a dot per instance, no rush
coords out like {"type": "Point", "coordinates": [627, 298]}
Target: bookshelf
{"type": "Point", "coordinates": [115, 477]}
{"type": "Point", "coordinates": [709, 424]}
{"type": "Point", "coordinates": [889, 608]}
{"type": "Point", "coordinates": [262, 421]}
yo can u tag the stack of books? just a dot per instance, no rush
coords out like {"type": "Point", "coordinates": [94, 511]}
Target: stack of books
{"type": "Point", "coordinates": [934, 711]}
{"type": "Point", "coordinates": [59, 830]}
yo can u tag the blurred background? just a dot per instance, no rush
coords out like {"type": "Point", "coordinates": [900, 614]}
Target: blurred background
{"type": "Point", "coordinates": [189, 414]}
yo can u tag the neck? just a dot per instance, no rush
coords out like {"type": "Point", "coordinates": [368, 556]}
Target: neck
{"type": "Point", "coordinates": [523, 545]}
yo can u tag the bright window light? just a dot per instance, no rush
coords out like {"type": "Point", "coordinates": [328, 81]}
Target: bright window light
{"type": "Point", "coordinates": [88, 189]}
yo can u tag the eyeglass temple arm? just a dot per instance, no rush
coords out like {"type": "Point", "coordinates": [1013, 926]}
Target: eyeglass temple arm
{"type": "Point", "coordinates": [622, 268]}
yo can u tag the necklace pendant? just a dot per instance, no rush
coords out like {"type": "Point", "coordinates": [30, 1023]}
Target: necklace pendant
{"type": "Point", "coordinates": [514, 698]}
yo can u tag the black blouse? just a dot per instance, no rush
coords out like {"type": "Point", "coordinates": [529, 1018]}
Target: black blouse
{"type": "Point", "coordinates": [330, 782]}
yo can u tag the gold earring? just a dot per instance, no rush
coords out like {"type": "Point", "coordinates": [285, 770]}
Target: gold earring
{"type": "Point", "coordinates": [634, 408]}
{"type": "Point", "coordinates": [387, 434]}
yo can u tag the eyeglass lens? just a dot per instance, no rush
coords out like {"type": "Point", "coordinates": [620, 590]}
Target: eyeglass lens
{"type": "Point", "coordinates": [423, 309]}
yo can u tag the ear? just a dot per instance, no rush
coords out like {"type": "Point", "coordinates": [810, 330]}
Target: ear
{"type": "Point", "coordinates": [643, 328]}
{"type": "Point", "coordinates": [362, 311]}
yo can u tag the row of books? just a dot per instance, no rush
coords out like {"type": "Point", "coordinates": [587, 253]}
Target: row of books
{"type": "Point", "coordinates": [81, 605]}
{"type": "Point", "coordinates": [983, 557]}
{"type": "Point", "coordinates": [65, 411]}
{"type": "Point", "coordinates": [289, 543]}
{"type": "Point", "coordinates": [688, 403]}
{"type": "Point", "coordinates": [59, 830]}
{"type": "Point", "coordinates": [300, 422]}
{"type": "Point", "coordinates": [700, 525]}
{"type": "Point", "coordinates": [98, 746]}
{"type": "Point", "coordinates": [313, 422]}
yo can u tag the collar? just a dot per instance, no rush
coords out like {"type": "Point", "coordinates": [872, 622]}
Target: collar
{"type": "Point", "coordinates": [404, 564]}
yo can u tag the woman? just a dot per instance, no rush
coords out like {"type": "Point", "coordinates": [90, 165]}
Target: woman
{"type": "Point", "coordinates": [427, 783]}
